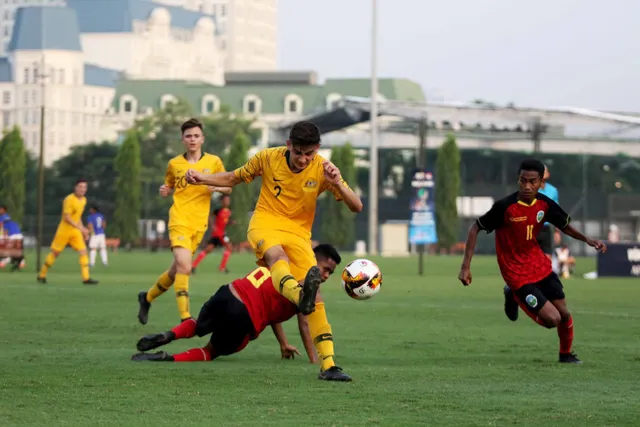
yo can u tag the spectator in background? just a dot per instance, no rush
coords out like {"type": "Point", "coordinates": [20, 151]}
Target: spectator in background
{"type": "Point", "coordinates": [614, 234]}
{"type": "Point", "coordinates": [566, 262]}
{"type": "Point", "coordinates": [10, 230]}
{"type": "Point", "coordinates": [546, 235]}
{"type": "Point", "coordinates": [4, 216]}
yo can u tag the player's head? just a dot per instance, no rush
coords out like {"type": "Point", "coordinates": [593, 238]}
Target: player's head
{"type": "Point", "coordinates": [3, 209]}
{"type": "Point", "coordinates": [80, 188]}
{"type": "Point", "coordinates": [94, 209]}
{"type": "Point", "coordinates": [530, 177]}
{"type": "Point", "coordinates": [328, 259]}
{"type": "Point", "coordinates": [192, 135]}
{"type": "Point", "coordinates": [303, 144]}
{"type": "Point", "coordinates": [225, 200]}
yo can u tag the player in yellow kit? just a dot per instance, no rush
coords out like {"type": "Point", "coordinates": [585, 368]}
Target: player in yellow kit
{"type": "Point", "coordinates": [280, 229]}
{"type": "Point", "coordinates": [71, 232]}
{"type": "Point", "coordinates": [188, 217]}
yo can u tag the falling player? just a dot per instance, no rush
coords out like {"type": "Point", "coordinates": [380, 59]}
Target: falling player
{"type": "Point", "coordinates": [222, 218]}
{"type": "Point", "coordinates": [72, 232]}
{"type": "Point", "coordinates": [280, 229]}
{"type": "Point", "coordinates": [533, 285]}
{"type": "Point", "coordinates": [237, 313]}
{"type": "Point", "coordinates": [187, 218]}
{"type": "Point", "coordinates": [97, 225]}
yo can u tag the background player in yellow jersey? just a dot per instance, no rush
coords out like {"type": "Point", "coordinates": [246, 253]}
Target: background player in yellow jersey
{"type": "Point", "coordinates": [71, 232]}
{"type": "Point", "coordinates": [188, 217]}
{"type": "Point", "coordinates": [280, 229]}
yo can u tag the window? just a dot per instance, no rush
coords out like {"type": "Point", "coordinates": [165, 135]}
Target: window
{"type": "Point", "coordinates": [61, 76]}
{"type": "Point", "coordinates": [223, 10]}
{"type": "Point", "coordinates": [34, 97]}
{"type": "Point", "coordinates": [25, 117]}
{"type": "Point", "coordinates": [6, 31]}
{"type": "Point", "coordinates": [128, 104]}
{"type": "Point", "coordinates": [36, 73]}
{"type": "Point", "coordinates": [128, 107]}
{"type": "Point", "coordinates": [210, 104]}
{"type": "Point", "coordinates": [252, 104]}
{"type": "Point", "coordinates": [35, 117]}
{"type": "Point", "coordinates": [52, 75]}
{"type": "Point", "coordinates": [26, 75]}
{"type": "Point", "coordinates": [6, 119]}
{"type": "Point", "coordinates": [293, 104]}
{"type": "Point", "coordinates": [25, 97]}
{"type": "Point", "coordinates": [6, 97]}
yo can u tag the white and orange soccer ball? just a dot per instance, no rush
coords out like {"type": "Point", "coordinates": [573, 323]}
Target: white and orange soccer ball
{"type": "Point", "coordinates": [361, 279]}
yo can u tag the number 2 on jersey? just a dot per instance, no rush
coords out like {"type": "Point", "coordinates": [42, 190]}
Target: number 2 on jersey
{"type": "Point", "coordinates": [258, 276]}
{"type": "Point", "coordinates": [529, 232]}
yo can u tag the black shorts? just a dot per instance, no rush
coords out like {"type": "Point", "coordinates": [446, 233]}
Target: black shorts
{"type": "Point", "coordinates": [535, 295]}
{"type": "Point", "coordinates": [217, 242]}
{"type": "Point", "coordinates": [545, 239]}
{"type": "Point", "coordinates": [226, 318]}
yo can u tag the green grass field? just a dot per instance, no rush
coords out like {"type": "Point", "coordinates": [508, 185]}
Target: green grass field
{"type": "Point", "coordinates": [425, 351]}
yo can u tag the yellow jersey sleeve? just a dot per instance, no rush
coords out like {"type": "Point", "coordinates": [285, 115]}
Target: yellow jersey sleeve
{"type": "Point", "coordinates": [327, 186]}
{"type": "Point", "coordinates": [169, 178]}
{"type": "Point", "coordinates": [253, 168]}
{"type": "Point", "coordinates": [67, 206]}
{"type": "Point", "coordinates": [217, 165]}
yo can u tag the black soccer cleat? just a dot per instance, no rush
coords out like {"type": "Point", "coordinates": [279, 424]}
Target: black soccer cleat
{"type": "Point", "coordinates": [307, 304]}
{"type": "Point", "coordinates": [90, 282]}
{"type": "Point", "coordinates": [143, 311]}
{"type": "Point", "coordinates": [334, 373]}
{"type": "Point", "coordinates": [510, 304]}
{"type": "Point", "coordinates": [161, 356]}
{"type": "Point", "coordinates": [569, 358]}
{"type": "Point", "coordinates": [42, 280]}
{"type": "Point", "coordinates": [149, 342]}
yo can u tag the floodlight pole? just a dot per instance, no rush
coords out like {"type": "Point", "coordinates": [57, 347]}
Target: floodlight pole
{"type": "Point", "coordinates": [40, 238]}
{"type": "Point", "coordinates": [422, 163]}
{"type": "Point", "coordinates": [373, 151]}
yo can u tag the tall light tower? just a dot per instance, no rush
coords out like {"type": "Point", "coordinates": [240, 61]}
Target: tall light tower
{"type": "Point", "coordinates": [373, 151]}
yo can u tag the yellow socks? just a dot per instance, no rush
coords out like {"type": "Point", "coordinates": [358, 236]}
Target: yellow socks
{"type": "Point", "coordinates": [181, 285]}
{"type": "Point", "coordinates": [284, 282]}
{"type": "Point", "coordinates": [162, 285]}
{"type": "Point", "coordinates": [84, 267]}
{"type": "Point", "coordinates": [48, 263]}
{"type": "Point", "coordinates": [321, 334]}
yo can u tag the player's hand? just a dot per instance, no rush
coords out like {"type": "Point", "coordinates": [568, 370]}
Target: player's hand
{"type": "Point", "coordinates": [164, 190]}
{"type": "Point", "coordinates": [212, 189]}
{"type": "Point", "coordinates": [313, 360]}
{"type": "Point", "coordinates": [85, 233]}
{"type": "Point", "coordinates": [465, 276]}
{"type": "Point", "coordinates": [598, 245]}
{"type": "Point", "coordinates": [289, 352]}
{"type": "Point", "coordinates": [331, 172]}
{"type": "Point", "coordinates": [194, 177]}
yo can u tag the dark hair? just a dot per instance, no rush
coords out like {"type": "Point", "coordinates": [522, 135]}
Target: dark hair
{"type": "Point", "coordinates": [326, 250]}
{"type": "Point", "coordinates": [222, 196]}
{"type": "Point", "coordinates": [190, 124]}
{"type": "Point", "coordinates": [304, 133]}
{"type": "Point", "coordinates": [80, 181]}
{"type": "Point", "coordinates": [95, 208]}
{"type": "Point", "coordinates": [532, 165]}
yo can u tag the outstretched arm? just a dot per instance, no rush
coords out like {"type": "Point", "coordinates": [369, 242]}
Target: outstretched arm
{"type": "Point", "coordinates": [570, 231]}
{"type": "Point", "coordinates": [339, 187]}
{"type": "Point", "coordinates": [288, 351]}
{"type": "Point", "coordinates": [470, 247]}
{"type": "Point", "coordinates": [349, 197]}
{"type": "Point", "coordinates": [305, 334]}
{"type": "Point", "coordinates": [221, 179]}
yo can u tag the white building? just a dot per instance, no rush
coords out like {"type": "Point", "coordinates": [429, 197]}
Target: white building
{"type": "Point", "coordinates": [234, 34]}
{"type": "Point", "coordinates": [47, 65]}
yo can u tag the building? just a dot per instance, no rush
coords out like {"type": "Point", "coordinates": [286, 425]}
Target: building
{"type": "Point", "coordinates": [46, 65]}
{"type": "Point", "coordinates": [229, 34]}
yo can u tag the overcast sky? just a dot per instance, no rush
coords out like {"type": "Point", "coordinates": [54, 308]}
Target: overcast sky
{"type": "Point", "coordinates": [535, 53]}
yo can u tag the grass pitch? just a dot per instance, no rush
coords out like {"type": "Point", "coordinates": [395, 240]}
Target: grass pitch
{"type": "Point", "coordinates": [424, 351]}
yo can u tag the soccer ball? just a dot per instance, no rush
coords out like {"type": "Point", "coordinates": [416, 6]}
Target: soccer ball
{"type": "Point", "coordinates": [361, 279]}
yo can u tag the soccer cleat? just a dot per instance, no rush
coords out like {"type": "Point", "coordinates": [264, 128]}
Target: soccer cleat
{"type": "Point", "coordinates": [42, 280]}
{"type": "Point", "coordinates": [570, 358]}
{"type": "Point", "coordinates": [143, 311]}
{"type": "Point", "coordinates": [161, 356]}
{"type": "Point", "coordinates": [149, 342]}
{"type": "Point", "coordinates": [510, 304]}
{"type": "Point", "coordinates": [334, 373]}
{"type": "Point", "coordinates": [193, 271]}
{"type": "Point", "coordinates": [224, 270]}
{"type": "Point", "coordinates": [90, 282]}
{"type": "Point", "coordinates": [307, 304]}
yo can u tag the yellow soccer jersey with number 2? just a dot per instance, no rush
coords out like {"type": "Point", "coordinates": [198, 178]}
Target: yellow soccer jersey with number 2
{"type": "Point", "coordinates": [287, 200]}
{"type": "Point", "coordinates": [191, 203]}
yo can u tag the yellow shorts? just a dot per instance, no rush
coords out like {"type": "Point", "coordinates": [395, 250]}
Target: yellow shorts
{"type": "Point", "coordinates": [185, 237]}
{"type": "Point", "coordinates": [298, 249]}
{"type": "Point", "coordinates": [64, 238]}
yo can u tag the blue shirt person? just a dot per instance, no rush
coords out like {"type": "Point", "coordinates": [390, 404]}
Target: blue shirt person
{"type": "Point", "coordinates": [96, 221]}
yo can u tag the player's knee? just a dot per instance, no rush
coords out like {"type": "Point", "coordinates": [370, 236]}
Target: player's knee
{"type": "Point", "coordinates": [553, 320]}
{"type": "Point", "coordinates": [275, 254]}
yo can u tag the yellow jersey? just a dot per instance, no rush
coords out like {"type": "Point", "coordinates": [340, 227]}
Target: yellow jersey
{"type": "Point", "coordinates": [74, 206]}
{"type": "Point", "coordinates": [287, 200]}
{"type": "Point", "coordinates": [191, 203]}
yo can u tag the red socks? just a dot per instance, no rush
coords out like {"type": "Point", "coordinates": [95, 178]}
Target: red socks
{"type": "Point", "coordinates": [565, 333]}
{"type": "Point", "coordinates": [225, 258]}
{"type": "Point", "coordinates": [186, 329]}
{"type": "Point", "coordinates": [200, 257]}
{"type": "Point", "coordinates": [193, 355]}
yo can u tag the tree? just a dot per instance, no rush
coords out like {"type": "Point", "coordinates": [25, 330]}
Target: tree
{"type": "Point", "coordinates": [221, 129]}
{"type": "Point", "coordinates": [127, 167]}
{"type": "Point", "coordinates": [447, 189]}
{"type": "Point", "coordinates": [338, 222]}
{"type": "Point", "coordinates": [13, 170]}
{"type": "Point", "coordinates": [242, 196]}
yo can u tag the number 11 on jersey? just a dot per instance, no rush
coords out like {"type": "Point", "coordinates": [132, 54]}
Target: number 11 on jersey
{"type": "Point", "coordinates": [529, 232]}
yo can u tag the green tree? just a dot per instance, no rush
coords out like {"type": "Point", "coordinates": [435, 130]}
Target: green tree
{"type": "Point", "coordinates": [13, 171]}
{"type": "Point", "coordinates": [338, 222]}
{"type": "Point", "coordinates": [220, 130]}
{"type": "Point", "coordinates": [127, 167]}
{"type": "Point", "coordinates": [242, 196]}
{"type": "Point", "coordinates": [447, 190]}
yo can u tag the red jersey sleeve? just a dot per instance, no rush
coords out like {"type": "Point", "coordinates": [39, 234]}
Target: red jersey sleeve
{"type": "Point", "coordinates": [555, 214]}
